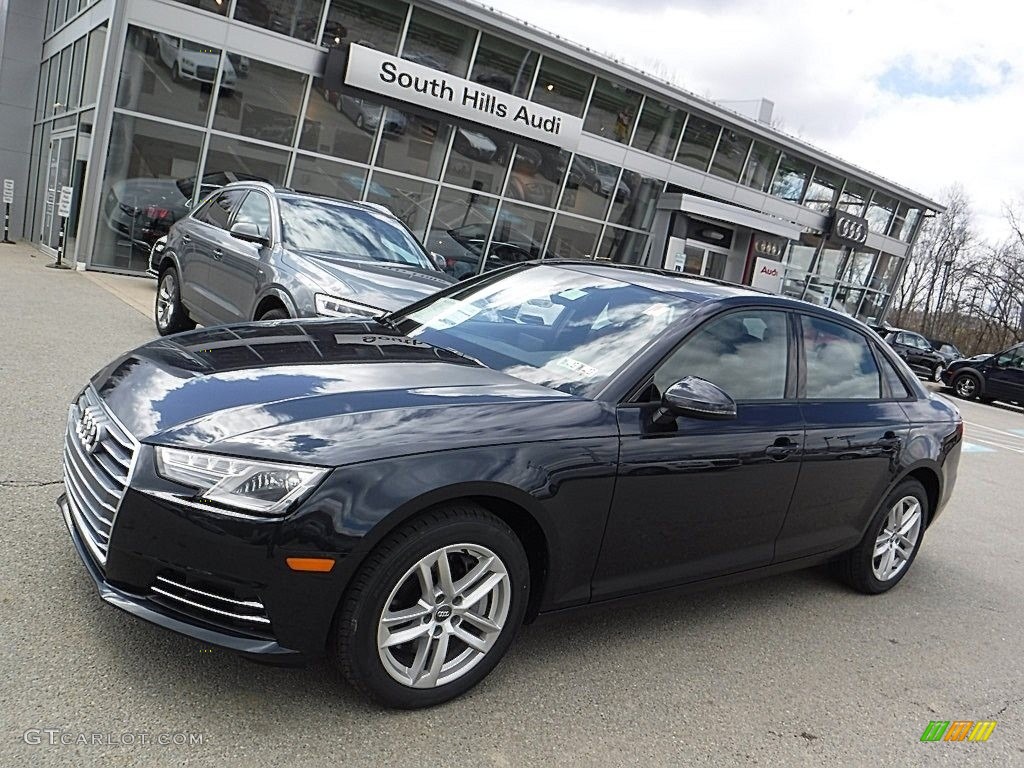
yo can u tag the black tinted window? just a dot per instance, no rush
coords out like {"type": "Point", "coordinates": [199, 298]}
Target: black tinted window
{"type": "Point", "coordinates": [218, 211]}
{"type": "Point", "coordinates": [745, 353]}
{"type": "Point", "coordinates": [840, 365]}
{"type": "Point", "coordinates": [255, 210]}
{"type": "Point", "coordinates": [897, 387]}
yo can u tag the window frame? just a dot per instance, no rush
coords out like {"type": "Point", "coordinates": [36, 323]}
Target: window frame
{"type": "Point", "coordinates": [212, 200]}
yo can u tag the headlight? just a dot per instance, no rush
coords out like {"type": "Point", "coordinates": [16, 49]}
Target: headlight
{"type": "Point", "coordinates": [332, 306]}
{"type": "Point", "coordinates": [259, 486]}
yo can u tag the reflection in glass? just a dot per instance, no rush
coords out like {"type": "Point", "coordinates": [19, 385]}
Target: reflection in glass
{"type": "Point", "coordinates": [51, 86]}
{"type": "Point", "coordinates": [590, 187]}
{"type": "Point", "coordinates": [730, 155]}
{"type": "Point", "coordinates": [44, 72]}
{"type": "Point", "coordinates": [479, 159]}
{"type": "Point", "coordinates": [902, 227]}
{"type": "Point", "coordinates": [699, 140]}
{"type": "Point", "coordinates": [573, 238]}
{"type": "Point", "coordinates": [872, 306]}
{"type": "Point", "coordinates": [886, 270]}
{"type": "Point", "coordinates": [342, 124]}
{"type": "Point", "coordinates": [265, 105]}
{"type": "Point", "coordinates": [214, 6]}
{"type": "Point", "coordinates": [859, 265]}
{"type": "Point", "coordinates": [168, 76]}
{"type": "Point", "coordinates": [77, 67]}
{"type": "Point", "coordinates": [537, 173]}
{"type": "Point", "coordinates": [142, 188]}
{"type": "Point", "coordinates": [438, 42]}
{"type": "Point", "coordinates": [419, 149]}
{"type": "Point", "coordinates": [295, 18]}
{"type": "Point", "coordinates": [760, 167]}
{"type": "Point", "coordinates": [64, 80]}
{"type": "Point", "coordinates": [462, 223]}
{"type": "Point", "coordinates": [622, 246]}
{"type": "Point", "coordinates": [823, 191]}
{"type": "Point", "coordinates": [791, 178]}
{"type": "Point", "coordinates": [518, 234]}
{"type": "Point", "coordinates": [408, 199]}
{"type": "Point", "coordinates": [880, 212]}
{"type": "Point", "coordinates": [376, 24]}
{"type": "Point", "coordinates": [503, 65]}
{"type": "Point", "coordinates": [93, 65]}
{"type": "Point", "coordinates": [244, 160]}
{"type": "Point", "coordinates": [635, 207]}
{"type": "Point", "coordinates": [323, 177]}
{"type": "Point", "coordinates": [612, 110]}
{"type": "Point", "coordinates": [853, 198]}
{"type": "Point", "coordinates": [658, 129]}
{"type": "Point", "coordinates": [562, 87]}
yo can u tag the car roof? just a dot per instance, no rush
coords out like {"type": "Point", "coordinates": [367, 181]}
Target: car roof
{"type": "Point", "coordinates": [288, 192]}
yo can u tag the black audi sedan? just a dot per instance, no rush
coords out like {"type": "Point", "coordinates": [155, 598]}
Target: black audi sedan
{"type": "Point", "coordinates": [402, 494]}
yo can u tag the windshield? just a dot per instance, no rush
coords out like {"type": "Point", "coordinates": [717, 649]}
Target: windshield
{"type": "Point", "coordinates": [561, 328]}
{"type": "Point", "coordinates": [352, 233]}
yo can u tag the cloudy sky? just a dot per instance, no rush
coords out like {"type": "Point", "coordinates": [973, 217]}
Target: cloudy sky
{"type": "Point", "coordinates": [924, 92]}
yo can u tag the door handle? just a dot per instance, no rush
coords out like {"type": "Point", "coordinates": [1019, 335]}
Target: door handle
{"type": "Point", "coordinates": [890, 441]}
{"type": "Point", "coordinates": [186, 238]}
{"type": "Point", "coordinates": [218, 253]}
{"type": "Point", "coordinates": [782, 448]}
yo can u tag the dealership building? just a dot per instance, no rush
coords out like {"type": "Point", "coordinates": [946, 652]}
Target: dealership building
{"type": "Point", "coordinates": [493, 140]}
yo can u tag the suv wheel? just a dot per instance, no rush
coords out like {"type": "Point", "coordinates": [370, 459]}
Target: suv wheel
{"type": "Point", "coordinates": [937, 372]}
{"type": "Point", "coordinates": [890, 544]}
{"type": "Point", "coordinates": [433, 609]}
{"type": "Point", "coordinates": [274, 314]}
{"type": "Point", "coordinates": [966, 386]}
{"type": "Point", "coordinates": [170, 314]}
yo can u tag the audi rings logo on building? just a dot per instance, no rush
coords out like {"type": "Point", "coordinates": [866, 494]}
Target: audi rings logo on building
{"type": "Point", "coordinates": [851, 229]}
{"type": "Point", "coordinates": [90, 428]}
{"type": "Point", "coordinates": [768, 248]}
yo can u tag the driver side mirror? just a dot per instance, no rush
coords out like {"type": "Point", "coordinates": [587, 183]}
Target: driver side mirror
{"type": "Point", "coordinates": [695, 398]}
{"type": "Point", "coordinates": [249, 232]}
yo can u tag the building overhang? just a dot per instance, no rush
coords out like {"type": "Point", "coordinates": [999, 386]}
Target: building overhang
{"type": "Point", "coordinates": [729, 214]}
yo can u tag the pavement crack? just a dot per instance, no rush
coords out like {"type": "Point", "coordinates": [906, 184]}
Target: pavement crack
{"type": "Point", "coordinates": [28, 483]}
{"type": "Point", "coordinates": [1007, 705]}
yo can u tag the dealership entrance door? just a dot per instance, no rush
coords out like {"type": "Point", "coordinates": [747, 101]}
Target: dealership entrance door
{"type": "Point", "coordinates": [58, 174]}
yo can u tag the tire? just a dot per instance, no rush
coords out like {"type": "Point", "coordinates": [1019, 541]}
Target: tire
{"type": "Point", "coordinates": [176, 73]}
{"type": "Point", "coordinates": [360, 122]}
{"type": "Point", "coordinates": [274, 314]}
{"type": "Point", "coordinates": [937, 372]}
{"type": "Point", "coordinates": [967, 386]}
{"type": "Point", "coordinates": [170, 314]}
{"type": "Point", "coordinates": [596, 188]}
{"type": "Point", "coordinates": [403, 675]}
{"type": "Point", "coordinates": [866, 572]}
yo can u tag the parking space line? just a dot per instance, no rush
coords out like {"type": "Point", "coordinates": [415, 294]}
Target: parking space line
{"type": "Point", "coordinates": [1015, 433]}
{"type": "Point", "coordinates": [977, 448]}
{"type": "Point", "coordinates": [996, 444]}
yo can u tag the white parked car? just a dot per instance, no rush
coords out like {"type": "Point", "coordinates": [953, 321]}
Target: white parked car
{"type": "Point", "coordinates": [194, 62]}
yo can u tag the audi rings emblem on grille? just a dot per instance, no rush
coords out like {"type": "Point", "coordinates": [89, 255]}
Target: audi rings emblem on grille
{"type": "Point", "coordinates": [91, 429]}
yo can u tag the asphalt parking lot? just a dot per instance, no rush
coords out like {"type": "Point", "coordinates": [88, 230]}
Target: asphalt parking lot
{"type": "Point", "coordinates": [795, 670]}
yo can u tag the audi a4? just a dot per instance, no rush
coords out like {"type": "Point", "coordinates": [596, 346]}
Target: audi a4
{"type": "Point", "coordinates": [402, 493]}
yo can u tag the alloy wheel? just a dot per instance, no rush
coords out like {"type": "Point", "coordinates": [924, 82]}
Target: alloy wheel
{"type": "Point", "coordinates": [165, 298]}
{"type": "Point", "coordinates": [966, 386]}
{"type": "Point", "coordinates": [937, 372]}
{"type": "Point", "coordinates": [444, 615]}
{"type": "Point", "coordinates": [897, 540]}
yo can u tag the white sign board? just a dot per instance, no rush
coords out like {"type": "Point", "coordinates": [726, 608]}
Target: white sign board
{"type": "Point", "coordinates": [8, 190]}
{"type": "Point", "coordinates": [675, 255]}
{"type": "Point", "coordinates": [378, 72]}
{"type": "Point", "coordinates": [767, 275]}
{"type": "Point", "coordinates": [64, 204]}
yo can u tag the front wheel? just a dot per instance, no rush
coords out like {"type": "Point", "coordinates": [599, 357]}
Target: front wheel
{"type": "Point", "coordinates": [433, 609]}
{"type": "Point", "coordinates": [274, 314]}
{"type": "Point", "coordinates": [937, 372]}
{"type": "Point", "coordinates": [170, 314]}
{"type": "Point", "coordinates": [890, 544]}
{"type": "Point", "coordinates": [966, 386]}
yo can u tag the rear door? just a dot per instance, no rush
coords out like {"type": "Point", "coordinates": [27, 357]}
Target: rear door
{"type": "Point", "coordinates": [234, 268]}
{"type": "Point", "coordinates": [209, 236]}
{"type": "Point", "coordinates": [856, 428]}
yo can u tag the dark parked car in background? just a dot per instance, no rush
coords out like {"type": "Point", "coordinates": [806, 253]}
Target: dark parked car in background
{"type": "Point", "coordinates": [947, 349]}
{"type": "Point", "coordinates": [915, 350]}
{"type": "Point", "coordinates": [989, 377]}
{"type": "Point", "coordinates": [253, 252]}
{"type": "Point", "coordinates": [404, 493]}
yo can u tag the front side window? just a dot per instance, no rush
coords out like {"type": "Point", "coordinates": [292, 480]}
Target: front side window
{"type": "Point", "coordinates": [255, 210]}
{"type": "Point", "coordinates": [350, 233]}
{"type": "Point", "coordinates": [745, 353]}
{"type": "Point", "coordinates": [839, 361]}
{"type": "Point", "coordinates": [217, 212]}
{"type": "Point", "coordinates": [1011, 358]}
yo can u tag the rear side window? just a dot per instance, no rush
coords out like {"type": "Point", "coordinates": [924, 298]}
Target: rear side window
{"type": "Point", "coordinates": [897, 387]}
{"type": "Point", "coordinates": [839, 362]}
{"type": "Point", "coordinates": [217, 212]}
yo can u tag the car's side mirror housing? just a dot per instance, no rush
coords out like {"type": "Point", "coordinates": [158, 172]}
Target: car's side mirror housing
{"type": "Point", "coordinates": [250, 233]}
{"type": "Point", "coordinates": [695, 398]}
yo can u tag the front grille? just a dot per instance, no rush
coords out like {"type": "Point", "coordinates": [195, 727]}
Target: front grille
{"type": "Point", "coordinates": [206, 73]}
{"type": "Point", "coordinates": [210, 603]}
{"type": "Point", "coordinates": [98, 455]}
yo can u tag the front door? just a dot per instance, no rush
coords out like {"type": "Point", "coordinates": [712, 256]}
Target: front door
{"type": "Point", "coordinates": [234, 270]}
{"type": "Point", "coordinates": [694, 498]}
{"type": "Point", "coordinates": [58, 174]}
{"type": "Point", "coordinates": [1005, 376]}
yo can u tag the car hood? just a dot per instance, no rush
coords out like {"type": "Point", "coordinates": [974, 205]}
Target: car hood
{"type": "Point", "coordinates": [146, 192]}
{"type": "Point", "coordinates": [329, 392]}
{"type": "Point", "coordinates": [376, 284]}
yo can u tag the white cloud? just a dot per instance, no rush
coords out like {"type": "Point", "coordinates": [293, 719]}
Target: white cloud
{"type": "Point", "coordinates": [923, 93]}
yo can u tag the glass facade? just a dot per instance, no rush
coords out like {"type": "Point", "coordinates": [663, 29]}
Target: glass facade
{"type": "Point", "coordinates": [185, 117]}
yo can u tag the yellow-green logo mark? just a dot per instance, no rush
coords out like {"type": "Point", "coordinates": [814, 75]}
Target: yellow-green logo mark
{"type": "Point", "coordinates": [958, 730]}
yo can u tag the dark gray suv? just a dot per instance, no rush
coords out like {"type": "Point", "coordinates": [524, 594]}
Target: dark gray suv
{"type": "Point", "coordinates": [255, 252]}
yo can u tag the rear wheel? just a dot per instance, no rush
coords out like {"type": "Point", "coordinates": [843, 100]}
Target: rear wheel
{"type": "Point", "coordinates": [890, 544]}
{"type": "Point", "coordinates": [170, 314]}
{"type": "Point", "coordinates": [433, 609]}
{"type": "Point", "coordinates": [937, 372]}
{"type": "Point", "coordinates": [966, 386]}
